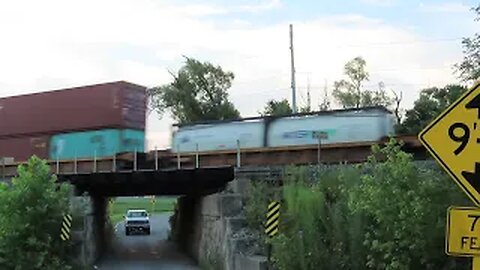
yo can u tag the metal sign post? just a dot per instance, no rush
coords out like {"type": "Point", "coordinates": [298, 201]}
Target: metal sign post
{"type": "Point", "coordinates": [238, 154]}
{"type": "Point", "coordinates": [114, 163]}
{"type": "Point", "coordinates": [3, 168]}
{"type": "Point", "coordinates": [57, 165]}
{"type": "Point", "coordinates": [95, 161]}
{"type": "Point", "coordinates": [196, 157]}
{"type": "Point", "coordinates": [271, 225]}
{"type": "Point", "coordinates": [156, 159]}
{"type": "Point", "coordinates": [476, 263]}
{"type": "Point", "coordinates": [178, 157]}
{"type": "Point", "coordinates": [320, 135]}
{"type": "Point", "coordinates": [75, 163]}
{"type": "Point", "coordinates": [135, 160]}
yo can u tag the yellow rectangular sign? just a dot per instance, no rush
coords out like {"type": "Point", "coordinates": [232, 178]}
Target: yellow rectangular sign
{"type": "Point", "coordinates": [463, 231]}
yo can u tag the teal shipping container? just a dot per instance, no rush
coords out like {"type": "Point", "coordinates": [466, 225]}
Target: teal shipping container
{"type": "Point", "coordinates": [99, 143]}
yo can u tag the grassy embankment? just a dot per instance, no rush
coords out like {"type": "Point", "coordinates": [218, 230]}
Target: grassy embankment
{"type": "Point", "coordinates": [119, 206]}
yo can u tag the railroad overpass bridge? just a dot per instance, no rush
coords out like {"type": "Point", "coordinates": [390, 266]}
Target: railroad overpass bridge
{"type": "Point", "coordinates": [132, 163]}
{"type": "Point", "coordinates": [198, 177]}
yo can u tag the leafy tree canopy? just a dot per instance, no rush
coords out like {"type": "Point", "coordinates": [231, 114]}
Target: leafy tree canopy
{"type": "Point", "coordinates": [430, 104]}
{"type": "Point", "coordinates": [350, 92]}
{"type": "Point", "coordinates": [469, 68]}
{"type": "Point", "coordinates": [274, 107]}
{"type": "Point", "coordinates": [31, 213]}
{"type": "Point", "coordinates": [198, 92]}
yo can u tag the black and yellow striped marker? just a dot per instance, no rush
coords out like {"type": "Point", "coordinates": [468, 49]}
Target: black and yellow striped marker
{"type": "Point", "coordinates": [273, 214]}
{"type": "Point", "coordinates": [66, 225]}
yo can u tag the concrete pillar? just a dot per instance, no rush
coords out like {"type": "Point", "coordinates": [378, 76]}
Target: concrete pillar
{"type": "Point", "coordinates": [100, 220]}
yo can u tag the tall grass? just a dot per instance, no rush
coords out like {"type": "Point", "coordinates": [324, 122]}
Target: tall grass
{"type": "Point", "coordinates": [388, 213]}
{"type": "Point", "coordinates": [317, 230]}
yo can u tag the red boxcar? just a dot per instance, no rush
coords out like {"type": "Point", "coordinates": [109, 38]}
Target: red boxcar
{"type": "Point", "coordinates": [108, 105]}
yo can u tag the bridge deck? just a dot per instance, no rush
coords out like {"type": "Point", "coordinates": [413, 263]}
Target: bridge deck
{"type": "Point", "coordinates": [201, 181]}
{"type": "Point", "coordinates": [332, 153]}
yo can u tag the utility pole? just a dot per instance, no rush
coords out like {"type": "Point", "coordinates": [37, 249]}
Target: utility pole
{"type": "Point", "coordinates": [294, 101]}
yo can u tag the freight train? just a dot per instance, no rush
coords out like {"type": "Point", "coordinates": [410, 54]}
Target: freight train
{"type": "Point", "coordinates": [106, 119]}
{"type": "Point", "coordinates": [337, 126]}
{"type": "Point", "coordinates": [96, 120]}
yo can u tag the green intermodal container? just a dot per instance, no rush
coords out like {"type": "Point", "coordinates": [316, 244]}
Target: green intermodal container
{"type": "Point", "coordinates": [99, 143]}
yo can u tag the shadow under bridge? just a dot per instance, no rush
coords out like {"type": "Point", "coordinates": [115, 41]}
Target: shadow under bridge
{"type": "Point", "coordinates": [196, 181]}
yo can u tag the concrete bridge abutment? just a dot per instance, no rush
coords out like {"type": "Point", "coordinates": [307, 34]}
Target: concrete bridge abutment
{"type": "Point", "coordinates": [209, 229]}
{"type": "Point", "coordinates": [91, 230]}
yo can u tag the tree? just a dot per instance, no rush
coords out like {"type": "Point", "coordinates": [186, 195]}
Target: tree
{"type": "Point", "coordinates": [198, 92]}
{"type": "Point", "coordinates": [350, 93]}
{"type": "Point", "coordinates": [306, 109]}
{"type": "Point", "coordinates": [469, 68]}
{"type": "Point", "coordinates": [31, 212]}
{"type": "Point", "coordinates": [430, 104]}
{"type": "Point", "coordinates": [274, 107]}
{"type": "Point", "coordinates": [396, 101]}
{"type": "Point", "coordinates": [325, 103]}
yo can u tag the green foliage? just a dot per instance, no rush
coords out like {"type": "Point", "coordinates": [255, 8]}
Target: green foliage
{"type": "Point", "coordinates": [257, 203]}
{"type": "Point", "coordinates": [317, 231]}
{"type": "Point", "coordinates": [350, 93]}
{"type": "Point", "coordinates": [428, 106]}
{"type": "Point", "coordinates": [274, 107]}
{"type": "Point", "coordinates": [31, 212]}
{"type": "Point", "coordinates": [388, 213]}
{"type": "Point", "coordinates": [305, 109]}
{"type": "Point", "coordinates": [406, 207]}
{"type": "Point", "coordinates": [198, 92]}
{"type": "Point", "coordinates": [469, 68]}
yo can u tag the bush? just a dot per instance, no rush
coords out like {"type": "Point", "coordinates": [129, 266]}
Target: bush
{"type": "Point", "coordinates": [406, 206]}
{"type": "Point", "coordinates": [31, 212]}
{"type": "Point", "coordinates": [388, 213]}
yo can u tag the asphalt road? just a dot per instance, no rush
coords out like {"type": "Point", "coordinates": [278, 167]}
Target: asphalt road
{"type": "Point", "coordinates": [144, 252]}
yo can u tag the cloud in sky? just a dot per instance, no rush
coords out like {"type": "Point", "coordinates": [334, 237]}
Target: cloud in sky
{"type": "Point", "coordinates": [54, 44]}
{"type": "Point", "coordinates": [444, 7]}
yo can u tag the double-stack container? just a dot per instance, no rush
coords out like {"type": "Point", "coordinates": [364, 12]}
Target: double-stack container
{"type": "Point", "coordinates": [101, 120]}
{"type": "Point", "coordinates": [341, 126]}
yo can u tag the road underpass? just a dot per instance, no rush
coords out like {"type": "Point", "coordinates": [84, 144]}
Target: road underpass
{"type": "Point", "coordinates": [99, 187]}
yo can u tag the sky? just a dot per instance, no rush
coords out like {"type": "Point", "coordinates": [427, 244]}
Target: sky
{"type": "Point", "coordinates": [408, 45]}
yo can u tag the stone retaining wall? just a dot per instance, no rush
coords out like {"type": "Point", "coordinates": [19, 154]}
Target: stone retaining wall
{"type": "Point", "coordinates": [208, 229]}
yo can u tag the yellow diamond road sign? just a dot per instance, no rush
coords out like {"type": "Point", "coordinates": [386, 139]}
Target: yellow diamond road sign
{"type": "Point", "coordinates": [453, 139]}
{"type": "Point", "coordinates": [463, 231]}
